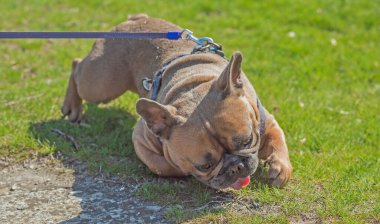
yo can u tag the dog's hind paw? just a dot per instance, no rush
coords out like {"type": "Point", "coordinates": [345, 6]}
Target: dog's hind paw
{"type": "Point", "coordinates": [73, 110]}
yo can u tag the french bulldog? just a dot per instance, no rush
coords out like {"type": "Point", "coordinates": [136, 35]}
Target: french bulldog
{"type": "Point", "coordinates": [206, 119]}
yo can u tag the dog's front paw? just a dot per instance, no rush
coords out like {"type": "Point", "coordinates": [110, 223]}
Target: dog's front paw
{"type": "Point", "coordinates": [279, 171]}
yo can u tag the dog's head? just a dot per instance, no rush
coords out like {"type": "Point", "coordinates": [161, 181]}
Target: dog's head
{"type": "Point", "coordinates": [218, 143]}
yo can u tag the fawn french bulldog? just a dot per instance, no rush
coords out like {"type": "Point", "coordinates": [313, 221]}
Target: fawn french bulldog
{"type": "Point", "coordinates": [206, 120]}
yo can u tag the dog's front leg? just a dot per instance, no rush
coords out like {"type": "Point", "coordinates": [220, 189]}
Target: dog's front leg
{"type": "Point", "coordinates": [148, 149]}
{"type": "Point", "coordinates": [275, 153]}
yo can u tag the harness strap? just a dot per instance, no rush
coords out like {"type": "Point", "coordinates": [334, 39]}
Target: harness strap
{"type": "Point", "coordinates": [155, 83]}
{"type": "Point", "coordinates": [262, 117]}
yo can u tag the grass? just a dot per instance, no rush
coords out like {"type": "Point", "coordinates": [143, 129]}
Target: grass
{"type": "Point", "coordinates": [315, 65]}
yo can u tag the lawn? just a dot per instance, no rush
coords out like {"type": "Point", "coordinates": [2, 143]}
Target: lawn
{"type": "Point", "coordinates": [315, 65]}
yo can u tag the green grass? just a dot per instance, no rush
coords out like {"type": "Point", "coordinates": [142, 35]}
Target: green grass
{"type": "Point", "coordinates": [325, 96]}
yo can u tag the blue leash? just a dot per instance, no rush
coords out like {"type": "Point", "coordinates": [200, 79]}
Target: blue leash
{"type": "Point", "coordinates": [171, 35]}
{"type": "Point", "coordinates": [203, 43]}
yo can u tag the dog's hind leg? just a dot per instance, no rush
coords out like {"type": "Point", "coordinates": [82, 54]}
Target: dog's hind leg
{"type": "Point", "coordinates": [96, 81]}
{"type": "Point", "coordinates": [72, 106]}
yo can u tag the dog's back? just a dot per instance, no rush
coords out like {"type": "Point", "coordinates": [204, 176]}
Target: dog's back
{"type": "Point", "coordinates": [131, 58]}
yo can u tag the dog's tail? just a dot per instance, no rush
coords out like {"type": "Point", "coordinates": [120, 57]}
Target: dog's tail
{"type": "Point", "coordinates": [74, 64]}
{"type": "Point", "coordinates": [138, 16]}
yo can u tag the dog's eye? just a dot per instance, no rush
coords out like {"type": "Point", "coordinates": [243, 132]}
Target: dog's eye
{"type": "Point", "coordinates": [243, 142]}
{"type": "Point", "coordinates": [248, 142]}
{"type": "Point", "coordinates": [205, 167]}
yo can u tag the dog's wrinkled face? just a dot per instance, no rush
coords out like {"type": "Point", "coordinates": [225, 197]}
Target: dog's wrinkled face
{"type": "Point", "coordinates": [207, 158]}
{"type": "Point", "coordinates": [218, 143]}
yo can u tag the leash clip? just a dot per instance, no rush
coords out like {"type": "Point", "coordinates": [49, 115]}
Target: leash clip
{"type": "Point", "coordinates": [187, 34]}
{"type": "Point", "coordinates": [204, 44]}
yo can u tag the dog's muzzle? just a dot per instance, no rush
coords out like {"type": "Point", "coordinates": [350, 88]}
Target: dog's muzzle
{"type": "Point", "coordinates": [234, 167]}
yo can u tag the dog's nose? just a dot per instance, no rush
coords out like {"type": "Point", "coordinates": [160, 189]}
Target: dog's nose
{"type": "Point", "coordinates": [237, 168]}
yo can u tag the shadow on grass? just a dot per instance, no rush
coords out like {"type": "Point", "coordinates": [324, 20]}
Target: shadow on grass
{"type": "Point", "coordinates": [103, 140]}
{"type": "Point", "coordinates": [103, 144]}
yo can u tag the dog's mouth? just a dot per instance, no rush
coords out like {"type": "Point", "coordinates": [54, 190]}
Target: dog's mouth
{"type": "Point", "coordinates": [235, 172]}
{"type": "Point", "coordinates": [240, 183]}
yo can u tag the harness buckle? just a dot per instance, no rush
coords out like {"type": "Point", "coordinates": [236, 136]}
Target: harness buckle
{"type": "Point", "coordinates": [147, 84]}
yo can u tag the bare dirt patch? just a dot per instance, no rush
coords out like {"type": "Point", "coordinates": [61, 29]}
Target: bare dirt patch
{"type": "Point", "coordinates": [51, 191]}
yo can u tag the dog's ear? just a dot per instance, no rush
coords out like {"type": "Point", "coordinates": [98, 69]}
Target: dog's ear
{"type": "Point", "coordinates": [231, 77]}
{"type": "Point", "coordinates": [159, 118]}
